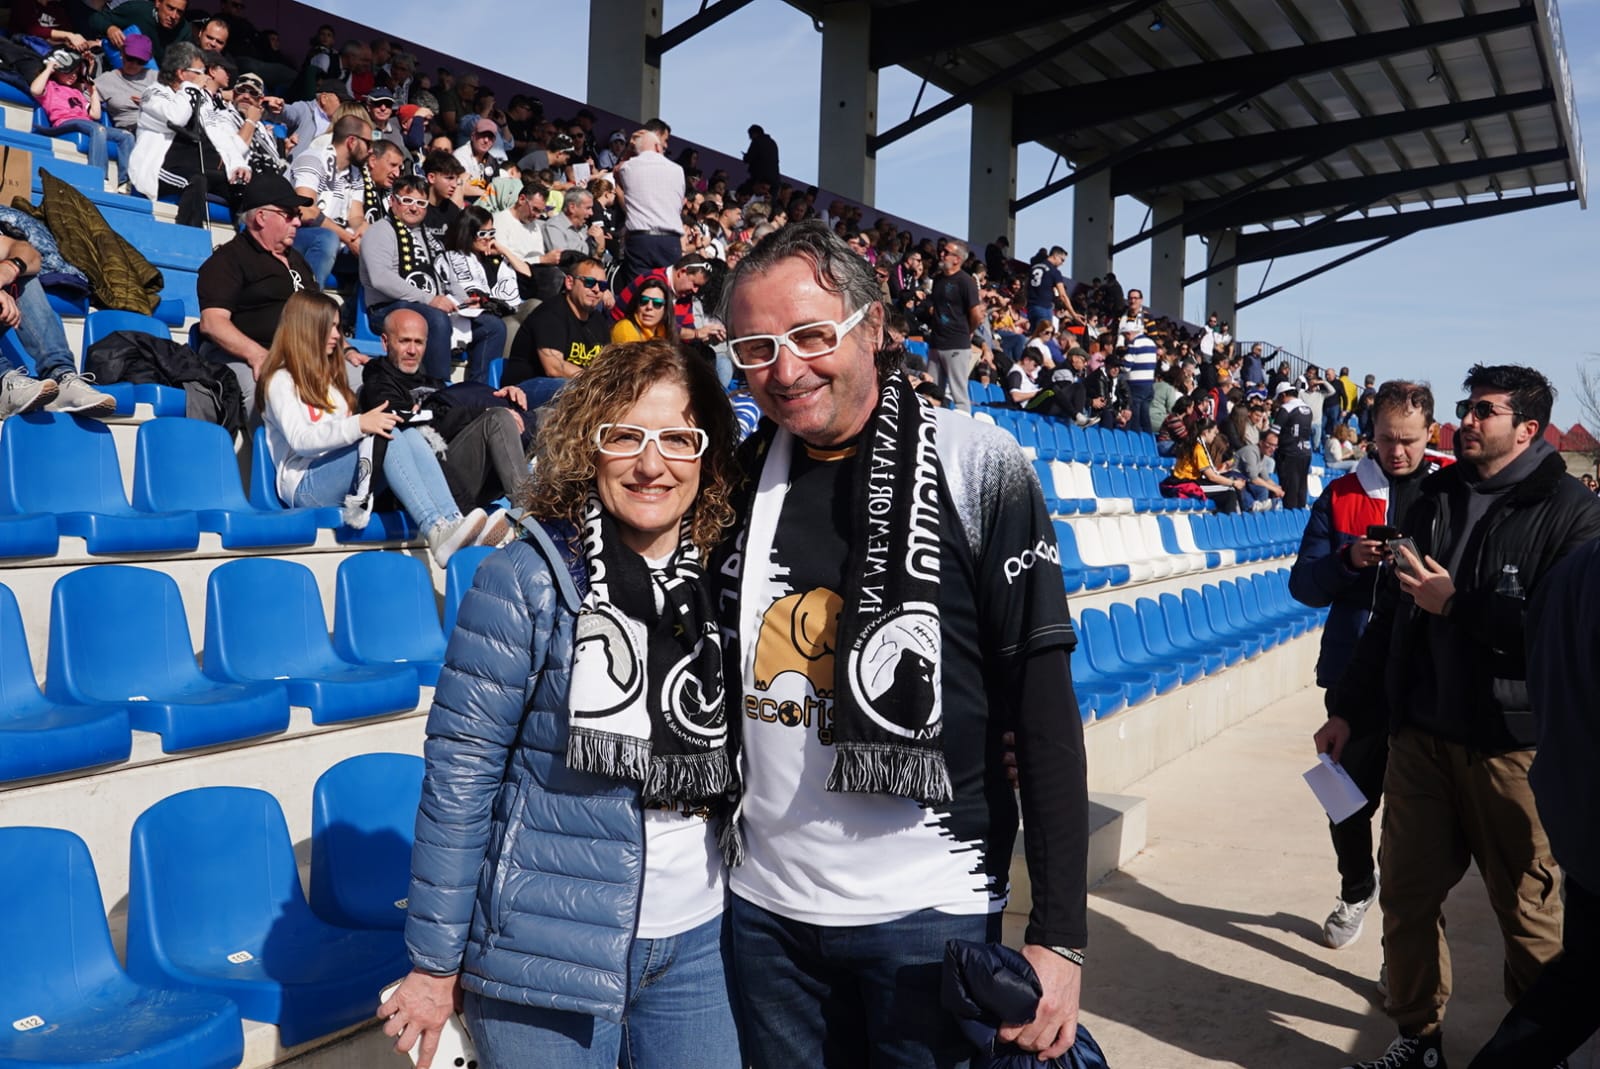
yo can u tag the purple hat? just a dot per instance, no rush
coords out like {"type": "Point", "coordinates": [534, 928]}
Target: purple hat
{"type": "Point", "coordinates": [137, 46]}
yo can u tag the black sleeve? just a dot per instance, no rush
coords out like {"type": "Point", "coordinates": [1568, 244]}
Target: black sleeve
{"type": "Point", "coordinates": [1052, 772]}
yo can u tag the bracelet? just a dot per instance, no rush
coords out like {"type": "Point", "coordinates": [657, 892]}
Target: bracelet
{"type": "Point", "coordinates": [1074, 956]}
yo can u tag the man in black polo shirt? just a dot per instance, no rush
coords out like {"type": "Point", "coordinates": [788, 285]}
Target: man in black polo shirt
{"type": "Point", "coordinates": [244, 285]}
{"type": "Point", "coordinates": [562, 336]}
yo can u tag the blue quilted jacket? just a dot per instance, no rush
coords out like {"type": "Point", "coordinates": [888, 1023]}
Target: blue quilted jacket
{"type": "Point", "coordinates": [526, 875]}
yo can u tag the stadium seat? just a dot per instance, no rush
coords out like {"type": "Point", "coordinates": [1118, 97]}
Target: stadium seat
{"type": "Point", "coordinates": [393, 526]}
{"type": "Point", "coordinates": [103, 322]}
{"type": "Point", "coordinates": [1129, 533]}
{"type": "Point", "coordinates": [1200, 626]}
{"type": "Point", "coordinates": [976, 392]}
{"type": "Point", "coordinates": [1271, 632]}
{"type": "Point", "coordinates": [1106, 694]}
{"type": "Point", "coordinates": [1181, 635]}
{"type": "Point", "coordinates": [1047, 486]}
{"type": "Point", "coordinates": [68, 465]}
{"type": "Point", "coordinates": [1099, 640]}
{"type": "Point", "coordinates": [1136, 652]}
{"type": "Point", "coordinates": [1258, 604]}
{"type": "Point", "coordinates": [1107, 497]}
{"type": "Point", "coordinates": [190, 464]}
{"type": "Point", "coordinates": [138, 657]}
{"type": "Point", "coordinates": [1223, 624]}
{"type": "Point", "coordinates": [384, 612]}
{"type": "Point", "coordinates": [184, 248]}
{"type": "Point", "coordinates": [363, 820]}
{"type": "Point", "coordinates": [214, 903]}
{"type": "Point", "coordinates": [33, 535]}
{"type": "Point", "coordinates": [458, 580]}
{"type": "Point", "coordinates": [80, 141]}
{"type": "Point", "coordinates": [38, 737]}
{"type": "Point", "coordinates": [497, 368]}
{"type": "Point", "coordinates": [264, 622]}
{"type": "Point", "coordinates": [68, 1000]}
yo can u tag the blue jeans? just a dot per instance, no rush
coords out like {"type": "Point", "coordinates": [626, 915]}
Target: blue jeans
{"type": "Point", "coordinates": [856, 997]}
{"type": "Point", "coordinates": [98, 135]}
{"type": "Point", "coordinates": [1140, 396]}
{"type": "Point", "coordinates": [320, 247]}
{"type": "Point", "coordinates": [541, 390]}
{"type": "Point", "coordinates": [488, 339]}
{"type": "Point", "coordinates": [409, 467]}
{"type": "Point", "coordinates": [678, 1013]}
{"type": "Point", "coordinates": [40, 335]}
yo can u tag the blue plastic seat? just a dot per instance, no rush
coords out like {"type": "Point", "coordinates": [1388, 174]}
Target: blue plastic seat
{"type": "Point", "coordinates": [382, 527]}
{"type": "Point", "coordinates": [1259, 602]}
{"type": "Point", "coordinates": [976, 393]}
{"type": "Point", "coordinates": [995, 393]}
{"type": "Point", "coordinates": [1047, 486]}
{"type": "Point", "coordinates": [28, 536]}
{"type": "Point", "coordinates": [1099, 640]}
{"type": "Point", "coordinates": [61, 970]}
{"type": "Point", "coordinates": [1271, 632]}
{"type": "Point", "coordinates": [68, 465]}
{"type": "Point", "coordinates": [39, 737]}
{"type": "Point", "coordinates": [80, 141]}
{"type": "Point", "coordinates": [384, 612]}
{"type": "Point", "coordinates": [103, 322]}
{"type": "Point", "coordinates": [1136, 651]}
{"type": "Point", "coordinates": [214, 903]}
{"type": "Point", "coordinates": [1181, 636]}
{"type": "Point", "coordinates": [1223, 623]}
{"type": "Point", "coordinates": [190, 464]}
{"type": "Point", "coordinates": [1200, 625]}
{"type": "Point", "coordinates": [363, 821]}
{"type": "Point", "coordinates": [458, 580]}
{"type": "Point", "coordinates": [1107, 693]}
{"type": "Point", "coordinates": [184, 248]}
{"type": "Point", "coordinates": [497, 368]}
{"type": "Point", "coordinates": [1073, 569]}
{"type": "Point", "coordinates": [138, 657]}
{"type": "Point", "coordinates": [264, 622]}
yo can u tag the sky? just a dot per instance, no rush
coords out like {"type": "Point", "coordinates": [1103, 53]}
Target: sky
{"type": "Point", "coordinates": [1501, 290]}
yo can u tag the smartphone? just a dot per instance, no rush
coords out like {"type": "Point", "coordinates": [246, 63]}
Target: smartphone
{"type": "Point", "coordinates": [1383, 533]}
{"type": "Point", "coordinates": [1394, 545]}
{"type": "Point", "coordinates": [455, 1046]}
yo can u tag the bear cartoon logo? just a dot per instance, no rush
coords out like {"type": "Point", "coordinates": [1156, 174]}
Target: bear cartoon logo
{"type": "Point", "coordinates": [797, 635]}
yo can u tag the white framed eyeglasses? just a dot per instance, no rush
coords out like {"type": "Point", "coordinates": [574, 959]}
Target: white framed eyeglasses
{"type": "Point", "coordinates": [808, 342]}
{"type": "Point", "coordinates": [628, 440]}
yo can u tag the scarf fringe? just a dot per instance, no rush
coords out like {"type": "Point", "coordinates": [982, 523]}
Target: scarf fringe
{"type": "Point", "coordinates": [604, 754]}
{"type": "Point", "coordinates": [880, 768]}
{"type": "Point", "coordinates": [686, 777]}
{"type": "Point", "coordinates": [730, 839]}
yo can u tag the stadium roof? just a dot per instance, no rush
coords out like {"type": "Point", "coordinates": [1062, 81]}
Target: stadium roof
{"type": "Point", "coordinates": [1327, 121]}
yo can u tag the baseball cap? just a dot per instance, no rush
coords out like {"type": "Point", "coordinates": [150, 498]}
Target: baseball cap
{"type": "Point", "coordinates": [333, 86]}
{"type": "Point", "coordinates": [559, 143]}
{"type": "Point", "coordinates": [136, 46]}
{"type": "Point", "coordinates": [378, 95]}
{"type": "Point", "coordinates": [250, 81]}
{"type": "Point", "coordinates": [486, 124]}
{"type": "Point", "coordinates": [618, 135]}
{"type": "Point", "coordinates": [268, 190]}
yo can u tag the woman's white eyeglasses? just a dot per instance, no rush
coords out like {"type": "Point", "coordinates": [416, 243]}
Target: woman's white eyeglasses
{"type": "Point", "coordinates": [808, 342]}
{"type": "Point", "coordinates": [673, 443]}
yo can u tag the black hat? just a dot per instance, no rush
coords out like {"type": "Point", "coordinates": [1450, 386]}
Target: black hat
{"type": "Point", "coordinates": [333, 86]}
{"type": "Point", "coordinates": [559, 143]}
{"type": "Point", "coordinates": [268, 190]}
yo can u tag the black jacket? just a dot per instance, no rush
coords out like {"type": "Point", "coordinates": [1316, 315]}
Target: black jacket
{"type": "Point", "coordinates": [1536, 523]}
{"type": "Point", "coordinates": [453, 407]}
{"type": "Point", "coordinates": [212, 393]}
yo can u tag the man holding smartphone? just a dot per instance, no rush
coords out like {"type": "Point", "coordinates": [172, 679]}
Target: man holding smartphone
{"type": "Point", "coordinates": [1343, 548]}
{"type": "Point", "coordinates": [1447, 638]}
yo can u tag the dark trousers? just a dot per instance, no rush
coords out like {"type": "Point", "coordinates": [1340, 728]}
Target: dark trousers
{"type": "Point", "coordinates": [1562, 1008]}
{"type": "Point", "coordinates": [645, 252]}
{"type": "Point", "coordinates": [1365, 759]}
{"type": "Point", "coordinates": [486, 458]}
{"type": "Point", "coordinates": [1140, 396]}
{"type": "Point", "coordinates": [1293, 470]}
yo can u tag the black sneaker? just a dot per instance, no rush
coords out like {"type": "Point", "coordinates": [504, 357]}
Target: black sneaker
{"type": "Point", "coordinates": [1409, 1052]}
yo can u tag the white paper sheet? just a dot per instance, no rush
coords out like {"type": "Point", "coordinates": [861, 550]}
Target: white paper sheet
{"type": "Point", "coordinates": [1338, 794]}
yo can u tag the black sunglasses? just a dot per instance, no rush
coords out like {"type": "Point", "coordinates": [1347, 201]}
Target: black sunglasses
{"type": "Point", "coordinates": [593, 283]}
{"type": "Point", "coordinates": [1483, 410]}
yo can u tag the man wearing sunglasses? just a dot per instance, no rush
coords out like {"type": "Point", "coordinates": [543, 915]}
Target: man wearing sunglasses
{"type": "Point", "coordinates": [562, 335]}
{"type": "Point", "coordinates": [1447, 638]}
{"type": "Point", "coordinates": [894, 604]}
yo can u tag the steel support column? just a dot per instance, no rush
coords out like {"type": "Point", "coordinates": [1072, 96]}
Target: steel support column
{"type": "Point", "coordinates": [1093, 214]}
{"type": "Point", "coordinates": [622, 77]}
{"type": "Point", "coordinates": [849, 103]}
{"type": "Point", "coordinates": [1166, 259]}
{"type": "Point", "coordinates": [992, 171]}
{"type": "Point", "coordinates": [1222, 286]}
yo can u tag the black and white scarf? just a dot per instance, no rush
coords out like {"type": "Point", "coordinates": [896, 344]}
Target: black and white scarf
{"type": "Point", "coordinates": [422, 272]}
{"type": "Point", "coordinates": [647, 702]}
{"type": "Point", "coordinates": [887, 691]}
{"type": "Point", "coordinates": [370, 199]}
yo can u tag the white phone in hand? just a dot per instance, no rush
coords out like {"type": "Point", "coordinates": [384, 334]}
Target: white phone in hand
{"type": "Point", "coordinates": [455, 1045]}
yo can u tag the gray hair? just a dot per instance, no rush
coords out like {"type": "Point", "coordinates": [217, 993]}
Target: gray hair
{"type": "Point", "coordinates": [577, 198]}
{"type": "Point", "coordinates": [960, 246]}
{"type": "Point", "coordinates": [838, 268]}
{"type": "Point", "coordinates": [177, 57]}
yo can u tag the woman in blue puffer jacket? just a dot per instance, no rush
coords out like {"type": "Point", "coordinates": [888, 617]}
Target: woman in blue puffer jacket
{"type": "Point", "coordinates": [567, 890]}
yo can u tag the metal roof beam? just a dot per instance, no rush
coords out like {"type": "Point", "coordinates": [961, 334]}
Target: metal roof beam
{"type": "Point", "coordinates": [1315, 271]}
{"type": "Point", "coordinates": [704, 19]}
{"type": "Point", "coordinates": [1261, 245]}
{"type": "Point", "coordinates": [1268, 205]}
{"type": "Point", "coordinates": [1006, 75]}
{"type": "Point", "coordinates": [1039, 115]}
{"type": "Point", "coordinates": [916, 30]}
{"type": "Point", "coordinates": [1175, 166]}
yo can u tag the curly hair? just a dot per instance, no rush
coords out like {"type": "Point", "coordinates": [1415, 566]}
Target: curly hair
{"type": "Point", "coordinates": [608, 388]}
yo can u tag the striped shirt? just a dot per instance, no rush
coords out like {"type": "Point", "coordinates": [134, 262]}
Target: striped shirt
{"type": "Point", "coordinates": [1140, 363]}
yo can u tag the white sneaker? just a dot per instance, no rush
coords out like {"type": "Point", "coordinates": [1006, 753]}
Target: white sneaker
{"type": "Point", "coordinates": [21, 392]}
{"type": "Point", "coordinates": [78, 395]}
{"type": "Point", "coordinates": [450, 535]}
{"type": "Point", "coordinates": [1344, 924]}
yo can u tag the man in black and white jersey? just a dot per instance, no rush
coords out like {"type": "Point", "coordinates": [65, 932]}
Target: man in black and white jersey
{"type": "Point", "coordinates": [893, 604]}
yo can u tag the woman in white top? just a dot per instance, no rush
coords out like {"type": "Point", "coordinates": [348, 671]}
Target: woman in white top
{"type": "Point", "coordinates": [480, 273]}
{"type": "Point", "coordinates": [316, 438]}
